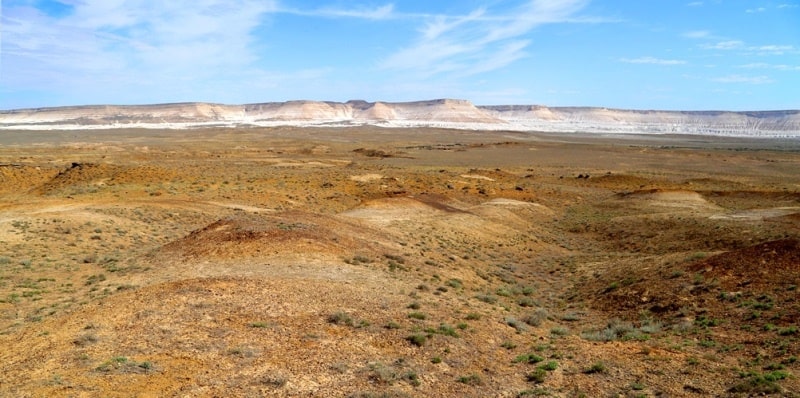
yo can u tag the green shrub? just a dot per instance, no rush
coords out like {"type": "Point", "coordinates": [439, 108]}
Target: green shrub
{"type": "Point", "coordinates": [526, 302]}
{"type": "Point", "coordinates": [508, 345]}
{"type": "Point", "coordinates": [535, 318]}
{"type": "Point", "coordinates": [598, 367]}
{"type": "Point", "coordinates": [487, 298]}
{"type": "Point", "coordinates": [791, 330]}
{"type": "Point", "coordinates": [341, 318]}
{"type": "Point", "coordinates": [472, 379]}
{"type": "Point", "coordinates": [504, 292]}
{"type": "Point", "coordinates": [417, 339]}
{"type": "Point", "coordinates": [760, 383]}
{"type": "Point", "coordinates": [447, 330]}
{"type": "Point", "coordinates": [537, 376]}
{"type": "Point", "coordinates": [392, 325]}
{"type": "Point", "coordinates": [533, 393]}
{"type": "Point", "coordinates": [528, 358]}
{"type": "Point", "coordinates": [455, 283]}
{"type": "Point", "coordinates": [550, 366]}
{"type": "Point", "coordinates": [473, 316]}
{"type": "Point", "coordinates": [516, 324]}
{"type": "Point", "coordinates": [559, 331]}
{"type": "Point", "coordinates": [417, 315]}
{"type": "Point", "coordinates": [570, 317]}
{"type": "Point", "coordinates": [527, 290]}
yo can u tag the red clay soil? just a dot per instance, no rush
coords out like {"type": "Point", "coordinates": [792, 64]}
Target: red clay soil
{"type": "Point", "coordinates": [775, 263]}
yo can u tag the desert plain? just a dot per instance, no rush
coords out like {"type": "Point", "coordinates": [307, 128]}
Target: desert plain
{"type": "Point", "coordinates": [390, 262]}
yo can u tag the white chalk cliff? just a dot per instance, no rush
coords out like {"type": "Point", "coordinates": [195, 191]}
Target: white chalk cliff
{"type": "Point", "coordinates": [445, 113]}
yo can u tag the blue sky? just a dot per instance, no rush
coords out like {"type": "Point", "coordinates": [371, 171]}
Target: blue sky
{"type": "Point", "coordinates": [654, 54]}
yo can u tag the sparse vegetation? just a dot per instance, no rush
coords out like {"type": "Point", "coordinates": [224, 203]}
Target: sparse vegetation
{"type": "Point", "coordinates": [250, 259]}
{"type": "Point", "coordinates": [390, 374]}
{"type": "Point", "coordinates": [598, 367]}
{"type": "Point", "coordinates": [341, 318]}
{"type": "Point", "coordinates": [537, 376]}
{"type": "Point", "coordinates": [417, 339]}
{"type": "Point", "coordinates": [756, 383]}
{"type": "Point", "coordinates": [472, 316]}
{"type": "Point", "coordinates": [471, 379]}
{"type": "Point", "coordinates": [417, 315]}
{"type": "Point", "coordinates": [536, 317]}
{"type": "Point", "coordinates": [124, 365]}
{"type": "Point", "coordinates": [528, 358]}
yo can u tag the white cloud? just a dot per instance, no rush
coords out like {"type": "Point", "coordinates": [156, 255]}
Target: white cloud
{"type": "Point", "coordinates": [787, 5]}
{"type": "Point", "coordinates": [763, 65]}
{"type": "Point", "coordinates": [652, 61]}
{"type": "Point", "coordinates": [697, 34]}
{"type": "Point", "coordinates": [724, 45]}
{"type": "Point", "coordinates": [773, 49]}
{"type": "Point", "coordinates": [442, 24]}
{"type": "Point", "coordinates": [743, 79]}
{"type": "Point", "coordinates": [105, 45]}
{"type": "Point", "coordinates": [695, 4]}
{"type": "Point", "coordinates": [755, 10]}
{"type": "Point", "coordinates": [503, 56]}
{"type": "Point", "coordinates": [479, 41]}
{"type": "Point", "coordinates": [383, 12]}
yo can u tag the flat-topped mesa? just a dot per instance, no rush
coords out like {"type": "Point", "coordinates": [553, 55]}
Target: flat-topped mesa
{"type": "Point", "coordinates": [298, 110]}
{"type": "Point", "coordinates": [443, 110]}
{"type": "Point", "coordinates": [595, 119]}
{"type": "Point", "coordinates": [122, 114]}
{"type": "Point", "coordinates": [377, 111]}
{"type": "Point", "coordinates": [448, 113]}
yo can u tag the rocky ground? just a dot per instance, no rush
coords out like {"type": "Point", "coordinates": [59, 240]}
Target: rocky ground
{"type": "Point", "coordinates": [371, 262]}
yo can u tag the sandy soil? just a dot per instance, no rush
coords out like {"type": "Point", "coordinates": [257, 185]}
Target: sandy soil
{"type": "Point", "coordinates": [369, 262]}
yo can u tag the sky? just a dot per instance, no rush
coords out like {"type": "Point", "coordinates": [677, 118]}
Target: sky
{"type": "Point", "coordinates": [653, 54]}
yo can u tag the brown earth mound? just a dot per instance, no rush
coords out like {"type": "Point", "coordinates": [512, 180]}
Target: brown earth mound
{"type": "Point", "coordinates": [760, 269]}
{"type": "Point", "coordinates": [746, 298]}
{"type": "Point", "coordinates": [16, 178]}
{"type": "Point", "coordinates": [769, 264]}
{"type": "Point", "coordinates": [772, 195]}
{"type": "Point", "coordinates": [677, 195]}
{"type": "Point", "coordinates": [143, 174]}
{"type": "Point", "coordinates": [278, 262]}
{"type": "Point", "coordinates": [246, 329]}
{"type": "Point", "coordinates": [79, 175]}
{"type": "Point", "coordinates": [620, 181]}
{"type": "Point", "coordinates": [256, 235]}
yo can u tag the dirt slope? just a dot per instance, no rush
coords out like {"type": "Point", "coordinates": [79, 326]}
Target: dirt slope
{"type": "Point", "coordinates": [291, 262]}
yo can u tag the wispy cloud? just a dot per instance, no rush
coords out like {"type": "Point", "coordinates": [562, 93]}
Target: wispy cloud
{"type": "Point", "coordinates": [383, 12]}
{"type": "Point", "coordinates": [695, 4]}
{"type": "Point", "coordinates": [652, 61]}
{"type": "Point", "coordinates": [697, 34]}
{"type": "Point", "coordinates": [773, 49]}
{"type": "Point", "coordinates": [724, 45]}
{"type": "Point", "coordinates": [131, 44]}
{"type": "Point", "coordinates": [755, 10]}
{"type": "Point", "coordinates": [743, 79]}
{"type": "Point", "coordinates": [787, 5]}
{"type": "Point", "coordinates": [764, 65]}
{"type": "Point", "coordinates": [740, 46]}
{"type": "Point", "coordinates": [479, 41]}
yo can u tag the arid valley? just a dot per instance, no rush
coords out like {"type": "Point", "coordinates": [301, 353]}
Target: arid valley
{"type": "Point", "coordinates": [363, 261]}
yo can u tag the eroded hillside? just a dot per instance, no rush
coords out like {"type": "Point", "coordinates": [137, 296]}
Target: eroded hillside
{"type": "Point", "coordinates": [366, 262]}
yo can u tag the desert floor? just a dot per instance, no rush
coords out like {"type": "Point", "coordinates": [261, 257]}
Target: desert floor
{"type": "Point", "coordinates": [372, 262]}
